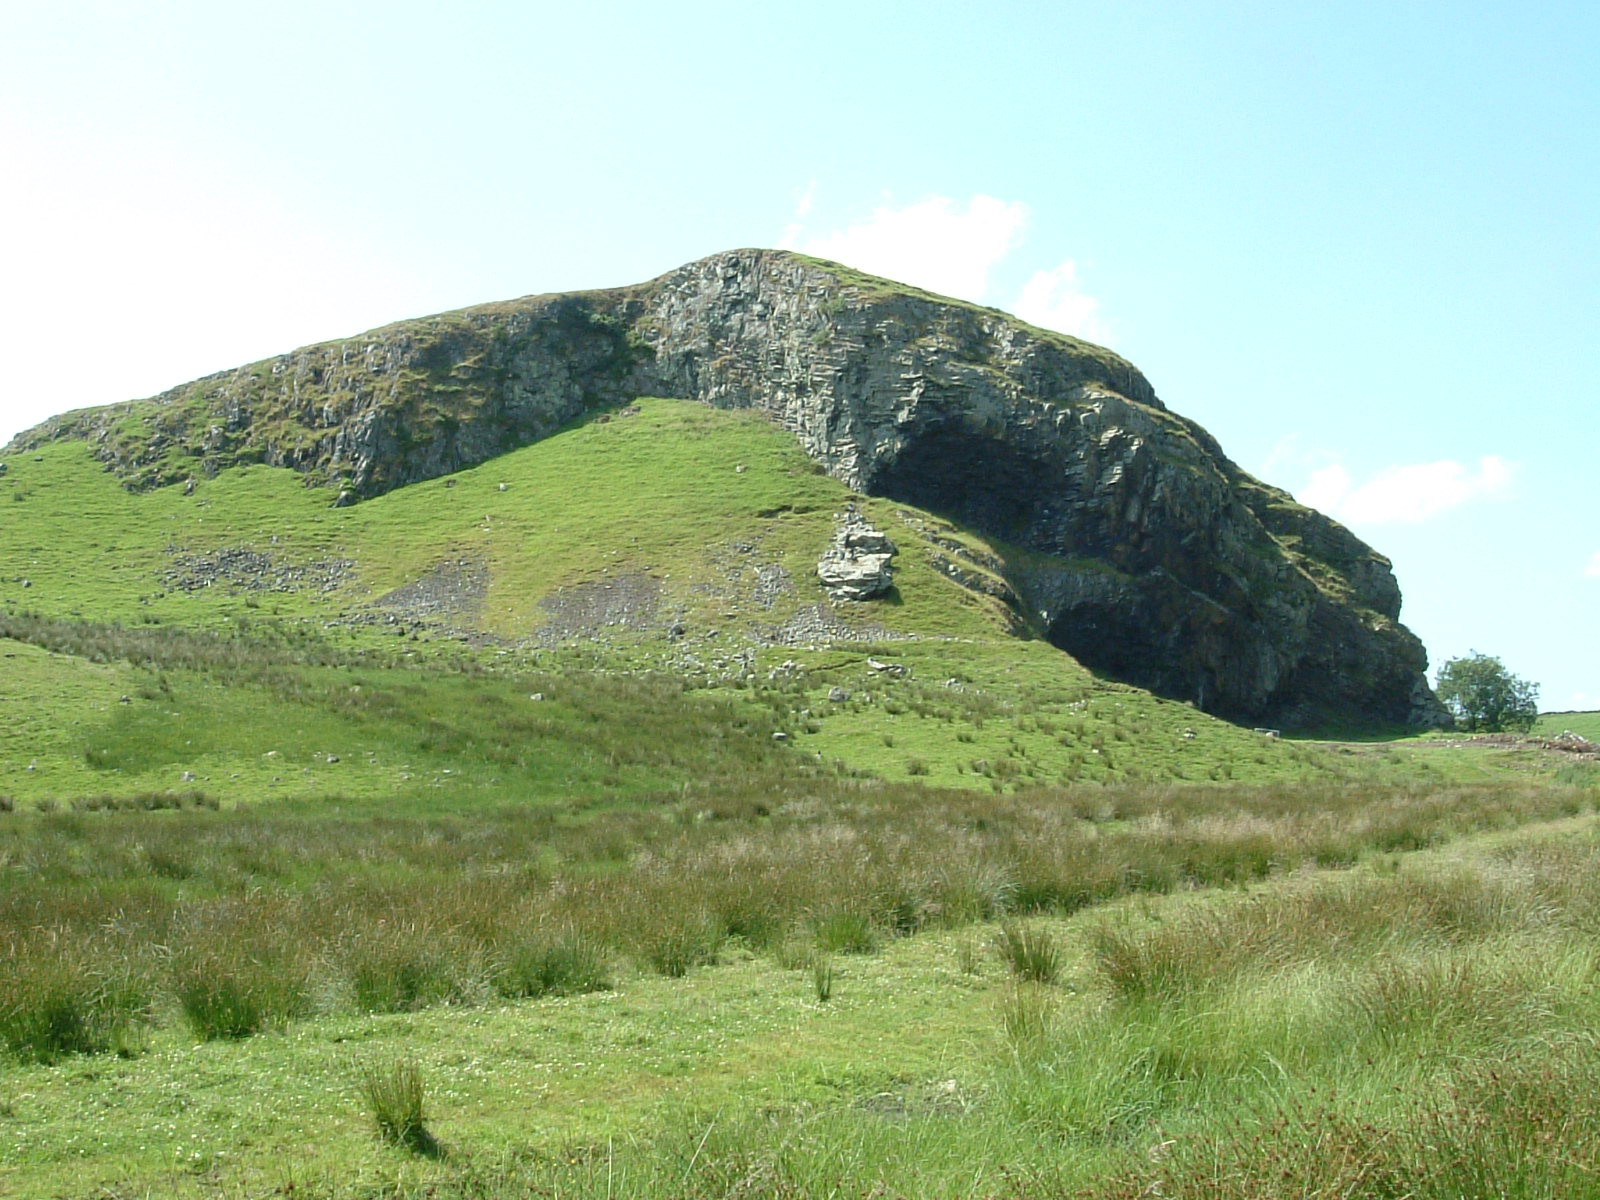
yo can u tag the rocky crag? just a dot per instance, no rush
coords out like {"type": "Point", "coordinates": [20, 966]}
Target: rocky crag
{"type": "Point", "coordinates": [1131, 540]}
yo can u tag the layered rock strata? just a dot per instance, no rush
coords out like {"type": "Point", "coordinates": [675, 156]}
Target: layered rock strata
{"type": "Point", "coordinates": [858, 565]}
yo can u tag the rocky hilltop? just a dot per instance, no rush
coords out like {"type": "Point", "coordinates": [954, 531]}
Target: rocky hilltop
{"type": "Point", "coordinates": [1131, 540]}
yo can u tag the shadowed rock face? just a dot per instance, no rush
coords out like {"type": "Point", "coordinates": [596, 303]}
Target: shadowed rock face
{"type": "Point", "coordinates": [1134, 543]}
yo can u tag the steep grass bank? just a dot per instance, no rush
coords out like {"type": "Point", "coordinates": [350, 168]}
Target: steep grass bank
{"type": "Point", "coordinates": [691, 498]}
{"type": "Point", "coordinates": [101, 712]}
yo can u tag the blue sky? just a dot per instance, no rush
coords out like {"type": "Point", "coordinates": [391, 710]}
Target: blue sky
{"type": "Point", "coordinates": [1358, 242]}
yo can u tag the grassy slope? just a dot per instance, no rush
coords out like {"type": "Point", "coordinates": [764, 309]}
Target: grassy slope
{"type": "Point", "coordinates": [660, 493]}
{"type": "Point", "coordinates": [906, 1074]}
{"type": "Point", "coordinates": [1584, 724]}
{"type": "Point", "coordinates": [659, 496]}
{"type": "Point", "coordinates": [46, 701]}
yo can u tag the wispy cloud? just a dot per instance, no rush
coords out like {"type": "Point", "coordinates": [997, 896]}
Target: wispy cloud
{"type": "Point", "coordinates": [807, 198]}
{"type": "Point", "coordinates": [1052, 299]}
{"type": "Point", "coordinates": [937, 243]}
{"type": "Point", "coordinates": [1592, 571]}
{"type": "Point", "coordinates": [953, 247]}
{"type": "Point", "coordinates": [1410, 493]}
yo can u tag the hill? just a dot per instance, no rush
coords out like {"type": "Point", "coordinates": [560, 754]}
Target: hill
{"type": "Point", "coordinates": [1041, 476]}
{"type": "Point", "coordinates": [648, 573]}
{"type": "Point", "coordinates": [517, 810]}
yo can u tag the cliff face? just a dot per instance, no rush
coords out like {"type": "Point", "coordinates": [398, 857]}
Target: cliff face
{"type": "Point", "coordinates": [1136, 545]}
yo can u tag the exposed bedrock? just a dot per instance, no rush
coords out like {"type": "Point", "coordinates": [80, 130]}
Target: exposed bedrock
{"type": "Point", "coordinates": [1132, 540]}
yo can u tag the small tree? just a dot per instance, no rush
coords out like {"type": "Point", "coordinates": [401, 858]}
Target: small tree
{"type": "Point", "coordinates": [1482, 695]}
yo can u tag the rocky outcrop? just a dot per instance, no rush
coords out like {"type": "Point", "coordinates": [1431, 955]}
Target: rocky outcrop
{"type": "Point", "coordinates": [857, 566]}
{"type": "Point", "coordinates": [1133, 541]}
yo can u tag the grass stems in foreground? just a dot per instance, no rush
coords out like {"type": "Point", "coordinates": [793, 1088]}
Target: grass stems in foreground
{"type": "Point", "coordinates": [241, 921]}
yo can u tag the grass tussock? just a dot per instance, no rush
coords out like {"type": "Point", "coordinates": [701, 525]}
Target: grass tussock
{"type": "Point", "coordinates": [66, 1004]}
{"type": "Point", "coordinates": [231, 994]}
{"type": "Point", "coordinates": [1522, 1126]}
{"type": "Point", "coordinates": [263, 918]}
{"type": "Point", "coordinates": [823, 977]}
{"type": "Point", "coordinates": [1030, 951]}
{"type": "Point", "coordinates": [395, 1099]}
{"type": "Point", "coordinates": [540, 963]}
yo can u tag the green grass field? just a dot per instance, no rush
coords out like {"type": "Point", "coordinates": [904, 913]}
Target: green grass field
{"type": "Point", "coordinates": [1584, 724]}
{"type": "Point", "coordinates": [1423, 1018]}
{"type": "Point", "coordinates": [510, 783]}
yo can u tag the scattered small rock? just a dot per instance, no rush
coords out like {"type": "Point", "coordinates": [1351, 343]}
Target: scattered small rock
{"type": "Point", "coordinates": [838, 695]}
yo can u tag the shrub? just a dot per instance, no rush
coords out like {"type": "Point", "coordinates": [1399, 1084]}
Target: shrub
{"type": "Point", "coordinates": [1482, 695]}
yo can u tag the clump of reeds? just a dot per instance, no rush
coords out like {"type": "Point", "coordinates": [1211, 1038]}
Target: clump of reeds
{"type": "Point", "coordinates": [1030, 950]}
{"type": "Point", "coordinates": [395, 1099]}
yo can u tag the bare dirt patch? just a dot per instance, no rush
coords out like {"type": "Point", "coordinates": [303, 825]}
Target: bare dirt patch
{"type": "Point", "coordinates": [253, 571]}
{"type": "Point", "coordinates": [456, 588]}
{"type": "Point", "coordinates": [623, 602]}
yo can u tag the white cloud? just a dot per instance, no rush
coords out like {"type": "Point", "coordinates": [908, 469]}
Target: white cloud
{"type": "Point", "coordinates": [953, 248]}
{"type": "Point", "coordinates": [1410, 493]}
{"type": "Point", "coordinates": [936, 243]}
{"type": "Point", "coordinates": [795, 229]}
{"type": "Point", "coordinates": [1327, 490]}
{"type": "Point", "coordinates": [808, 197]}
{"type": "Point", "coordinates": [1592, 571]}
{"type": "Point", "coordinates": [1051, 299]}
